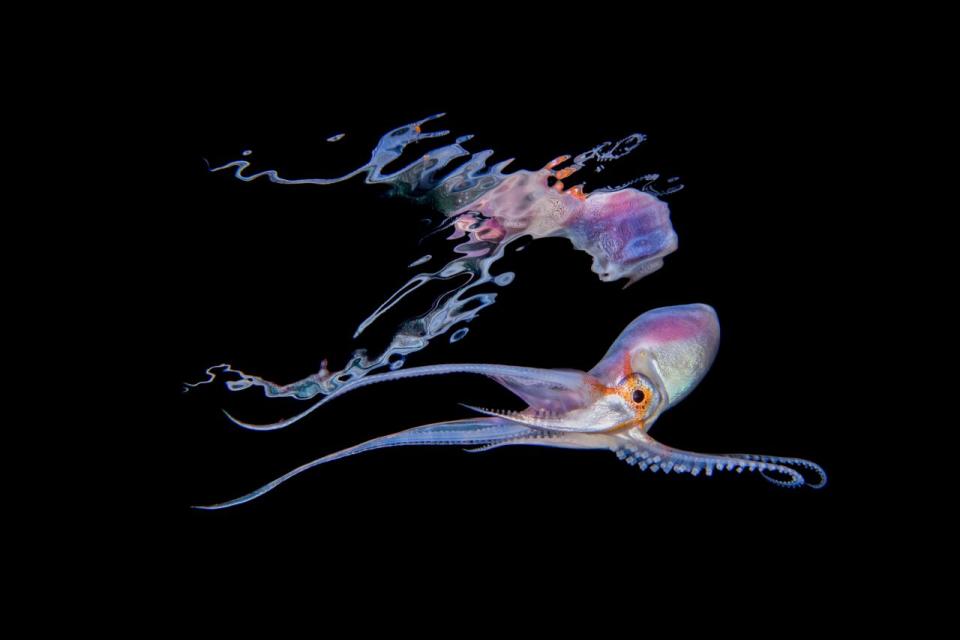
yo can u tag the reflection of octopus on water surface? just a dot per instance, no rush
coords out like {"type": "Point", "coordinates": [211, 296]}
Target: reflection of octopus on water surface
{"type": "Point", "coordinates": [626, 230]}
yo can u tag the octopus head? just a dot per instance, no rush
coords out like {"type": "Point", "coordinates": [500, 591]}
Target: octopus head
{"type": "Point", "coordinates": [660, 357]}
{"type": "Point", "coordinates": [654, 363]}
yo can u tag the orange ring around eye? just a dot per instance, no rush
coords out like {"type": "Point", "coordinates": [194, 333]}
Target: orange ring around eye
{"type": "Point", "coordinates": [629, 391]}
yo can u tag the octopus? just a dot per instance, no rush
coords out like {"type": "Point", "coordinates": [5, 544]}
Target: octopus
{"type": "Point", "coordinates": [655, 362]}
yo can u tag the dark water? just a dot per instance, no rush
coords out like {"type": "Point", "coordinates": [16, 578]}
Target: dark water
{"type": "Point", "coordinates": [274, 279]}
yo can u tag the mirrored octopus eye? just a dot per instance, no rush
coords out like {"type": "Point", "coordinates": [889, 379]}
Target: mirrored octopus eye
{"type": "Point", "coordinates": [639, 395]}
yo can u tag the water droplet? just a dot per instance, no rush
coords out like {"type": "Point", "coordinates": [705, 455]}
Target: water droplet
{"type": "Point", "coordinates": [420, 261]}
{"type": "Point", "coordinates": [505, 278]}
{"type": "Point", "coordinates": [464, 138]}
{"type": "Point", "coordinates": [339, 136]}
{"type": "Point", "coordinates": [458, 334]}
{"type": "Point", "coordinates": [396, 364]}
{"type": "Point", "coordinates": [246, 152]}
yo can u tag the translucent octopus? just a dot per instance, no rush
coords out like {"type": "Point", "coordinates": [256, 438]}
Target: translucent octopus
{"type": "Point", "coordinates": [625, 229]}
{"type": "Point", "coordinates": [656, 361]}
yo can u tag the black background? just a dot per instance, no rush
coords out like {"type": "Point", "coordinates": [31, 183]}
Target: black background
{"type": "Point", "coordinates": [273, 279]}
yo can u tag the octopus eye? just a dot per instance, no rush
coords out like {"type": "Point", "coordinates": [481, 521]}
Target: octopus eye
{"type": "Point", "coordinates": [639, 396]}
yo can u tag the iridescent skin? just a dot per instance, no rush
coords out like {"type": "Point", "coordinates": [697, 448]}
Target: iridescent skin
{"type": "Point", "coordinates": [655, 362]}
